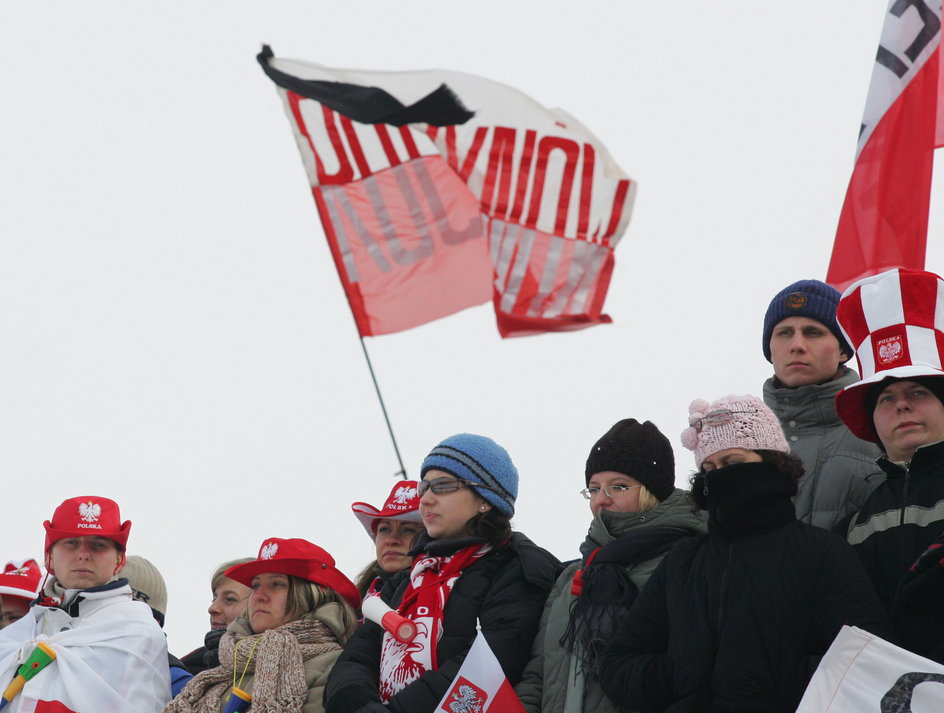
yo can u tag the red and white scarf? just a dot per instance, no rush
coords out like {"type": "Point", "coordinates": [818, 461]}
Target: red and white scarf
{"type": "Point", "coordinates": [431, 582]}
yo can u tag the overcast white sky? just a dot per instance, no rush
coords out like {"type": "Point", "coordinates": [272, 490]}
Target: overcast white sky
{"type": "Point", "coordinates": [175, 335]}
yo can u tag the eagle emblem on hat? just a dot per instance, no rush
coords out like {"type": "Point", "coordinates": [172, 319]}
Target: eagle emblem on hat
{"type": "Point", "coordinates": [268, 551]}
{"type": "Point", "coordinates": [890, 349]}
{"type": "Point", "coordinates": [90, 511]}
{"type": "Point", "coordinates": [403, 495]}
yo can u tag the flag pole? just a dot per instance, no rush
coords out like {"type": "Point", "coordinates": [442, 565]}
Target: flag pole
{"type": "Point", "coordinates": [396, 449]}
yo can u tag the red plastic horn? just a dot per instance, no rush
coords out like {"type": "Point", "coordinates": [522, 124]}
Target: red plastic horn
{"type": "Point", "coordinates": [401, 628]}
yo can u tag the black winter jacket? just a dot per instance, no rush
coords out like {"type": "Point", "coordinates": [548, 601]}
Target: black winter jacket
{"type": "Point", "coordinates": [736, 620]}
{"type": "Point", "coordinates": [505, 590]}
{"type": "Point", "coordinates": [898, 521]}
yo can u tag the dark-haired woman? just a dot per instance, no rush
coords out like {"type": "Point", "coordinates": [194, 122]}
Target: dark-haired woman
{"type": "Point", "coordinates": [737, 619]}
{"type": "Point", "coordinates": [393, 528]}
{"type": "Point", "coordinates": [468, 568]}
{"type": "Point", "coordinates": [638, 516]}
{"type": "Point", "coordinates": [301, 611]}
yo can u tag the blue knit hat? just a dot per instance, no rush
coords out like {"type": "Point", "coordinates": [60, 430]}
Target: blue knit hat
{"type": "Point", "coordinates": [478, 460]}
{"type": "Point", "coordinates": [806, 298]}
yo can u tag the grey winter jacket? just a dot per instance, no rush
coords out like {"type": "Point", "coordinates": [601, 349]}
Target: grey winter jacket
{"type": "Point", "coordinates": [840, 469]}
{"type": "Point", "coordinates": [552, 681]}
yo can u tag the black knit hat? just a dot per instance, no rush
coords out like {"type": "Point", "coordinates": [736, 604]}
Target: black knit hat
{"type": "Point", "coordinates": [807, 298]}
{"type": "Point", "coordinates": [639, 451]}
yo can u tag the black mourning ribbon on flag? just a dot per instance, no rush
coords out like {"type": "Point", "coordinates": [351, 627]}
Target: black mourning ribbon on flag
{"type": "Point", "coordinates": [372, 105]}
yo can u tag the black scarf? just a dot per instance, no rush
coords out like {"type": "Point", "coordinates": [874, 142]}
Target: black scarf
{"type": "Point", "coordinates": [605, 592]}
{"type": "Point", "coordinates": [745, 498]}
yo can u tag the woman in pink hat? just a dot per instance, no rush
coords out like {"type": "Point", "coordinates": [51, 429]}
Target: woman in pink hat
{"type": "Point", "coordinates": [736, 620]}
{"type": "Point", "coordinates": [393, 529]}
{"type": "Point", "coordinates": [110, 653]}
{"type": "Point", "coordinates": [277, 656]}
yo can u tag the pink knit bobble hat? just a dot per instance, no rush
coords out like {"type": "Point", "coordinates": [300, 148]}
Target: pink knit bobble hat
{"type": "Point", "coordinates": [732, 422]}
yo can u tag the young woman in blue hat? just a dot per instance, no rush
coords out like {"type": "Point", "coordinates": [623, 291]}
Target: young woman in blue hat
{"type": "Point", "coordinates": [469, 568]}
{"type": "Point", "coordinates": [301, 611]}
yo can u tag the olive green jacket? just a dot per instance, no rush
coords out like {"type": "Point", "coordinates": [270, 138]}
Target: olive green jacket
{"type": "Point", "coordinates": [552, 681]}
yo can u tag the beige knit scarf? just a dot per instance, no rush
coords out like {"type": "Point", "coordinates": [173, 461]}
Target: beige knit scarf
{"type": "Point", "coordinates": [279, 684]}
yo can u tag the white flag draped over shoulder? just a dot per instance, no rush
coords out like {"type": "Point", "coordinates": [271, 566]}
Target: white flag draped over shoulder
{"type": "Point", "coordinates": [480, 685]}
{"type": "Point", "coordinates": [862, 673]}
{"type": "Point", "coordinates": [441, 190]}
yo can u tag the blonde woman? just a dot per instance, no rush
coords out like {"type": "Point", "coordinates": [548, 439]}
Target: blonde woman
{"type": "Point", "coordinates": [229, 602]}
{"type": "Point", "coordinates": [300, 613]}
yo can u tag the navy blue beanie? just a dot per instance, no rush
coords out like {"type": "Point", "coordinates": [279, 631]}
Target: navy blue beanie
{"type": "Point", "coordinates": [807, 298]}
{"type": "Point", "coordinates": [478, 460]}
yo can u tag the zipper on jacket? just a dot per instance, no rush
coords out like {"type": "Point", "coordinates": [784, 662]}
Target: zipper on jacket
{"type": "Point", "coordinates": [722, 598]}
{"type": "Point", "coordinates": [904, 496]}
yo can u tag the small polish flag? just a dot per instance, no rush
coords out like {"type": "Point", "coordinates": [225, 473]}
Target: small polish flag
{"type": "Point", "coordinates": [481, 685]}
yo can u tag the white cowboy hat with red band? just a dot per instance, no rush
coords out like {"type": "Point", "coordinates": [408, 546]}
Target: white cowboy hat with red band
{"type": "Point", "coordinates": [21, 578]}
{"type": "Point", "coordinates": [895, 323]}
{"type": "Point", "coordinates": [402, 504]}
{"type": "Point", "coordinates": [299, 558]}
{"type": "Point", "coordinates": [87, 515]}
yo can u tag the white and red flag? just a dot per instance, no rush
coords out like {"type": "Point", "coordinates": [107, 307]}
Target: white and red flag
{"type": "Point", "coordinates": [861, 672]}
{"type": "Point", "coordinates": [884, 219]}
{"type": "Point", "coordinates": [480, 685]}
{"type": "Point", "coordinates": [441, 190]}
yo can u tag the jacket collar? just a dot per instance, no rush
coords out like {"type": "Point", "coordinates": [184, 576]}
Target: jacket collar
{"type": "Point", "coordinates": [72, 599]}
{"type": "Point", "coordinates": [927, 460]}
{"type": "Point", "coordinates": [810, 404]}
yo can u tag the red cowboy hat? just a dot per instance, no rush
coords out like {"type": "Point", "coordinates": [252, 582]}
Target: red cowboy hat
{"type": "Point", "coordinates": [402, 504]}
{"type": "Point", "coordinates": [87, 515]}
{"type": "Point", "coordinates": [299, 558]}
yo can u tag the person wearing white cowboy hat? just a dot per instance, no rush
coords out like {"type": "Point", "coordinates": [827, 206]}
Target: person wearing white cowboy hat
{"type": "Point", "coordinates": [393, 528]}
{"type": "Point", "coordinates": [895, 321]}
{"type": "Point", "coordinates": [111, 655]}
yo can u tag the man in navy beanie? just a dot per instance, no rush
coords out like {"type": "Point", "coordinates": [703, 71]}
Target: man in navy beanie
{"type": "Point", "coordinates": [808, 350]}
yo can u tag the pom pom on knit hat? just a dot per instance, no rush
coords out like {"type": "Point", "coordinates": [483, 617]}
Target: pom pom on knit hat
{"type": "Point", "coordinates": [807, 298]}
{"type": "Point", "coordinates": [480, 461]}
{"type": "Point", "coordinates": [638, 450]}
{"type": "Point", "coordinates": [732, 422]}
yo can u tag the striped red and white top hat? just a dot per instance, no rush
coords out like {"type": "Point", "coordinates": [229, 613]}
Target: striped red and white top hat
{"type": "Point", "coordinates": [20, 578]}
{"type": "Point", "coordinates": [402, 504]}
{"type": "Point", "coordinates": [895, 323]}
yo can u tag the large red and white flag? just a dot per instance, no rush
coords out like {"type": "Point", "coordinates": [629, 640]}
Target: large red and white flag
{"type": "Point", "coordinates": [441, 190]}
{"type": "Point", "coordinates": [884, 219]}
{"type": "Point", "coordinates": [480, 685]}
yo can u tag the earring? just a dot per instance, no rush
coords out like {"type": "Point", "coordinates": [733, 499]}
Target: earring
{"type": "Point", "coordinates": [481, 508]}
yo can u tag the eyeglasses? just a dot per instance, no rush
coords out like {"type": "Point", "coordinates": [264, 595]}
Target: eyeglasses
{"type": "Point", "coordinates": [611, 491]}
{"type": "Point", "coordinates": [715, 418]}
{"type": "Point", "coordinates": [441, 486]}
